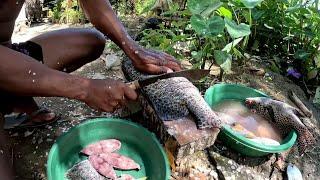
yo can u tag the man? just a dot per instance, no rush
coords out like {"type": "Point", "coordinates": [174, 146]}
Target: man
{"type": "Point", "coordinates": [35, 68]}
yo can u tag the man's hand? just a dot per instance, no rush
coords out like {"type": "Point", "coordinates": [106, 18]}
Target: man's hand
{"type": "Point", "coordinates": [153, 62]}
{"type": "Point", "coordinates": [107, 95]}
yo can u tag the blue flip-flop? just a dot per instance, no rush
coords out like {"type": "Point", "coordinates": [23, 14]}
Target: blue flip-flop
{"type": "Point", "coordinates": [23, 120]}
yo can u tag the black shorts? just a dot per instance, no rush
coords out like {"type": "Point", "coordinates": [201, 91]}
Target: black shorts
{"type": "Point", "coordinates": [29, 48]}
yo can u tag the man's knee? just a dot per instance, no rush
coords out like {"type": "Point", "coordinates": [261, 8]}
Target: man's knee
{"type": "Point", "coordinates": [96, 42]}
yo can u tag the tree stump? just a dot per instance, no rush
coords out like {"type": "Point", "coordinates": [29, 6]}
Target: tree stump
{"type": "Point", "coordinates": [180, 137]}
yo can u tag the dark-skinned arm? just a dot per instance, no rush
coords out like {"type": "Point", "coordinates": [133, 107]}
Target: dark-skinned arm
{"type": "Point", "coordinates": [23, 75]}
{"type": "Point", "coordinates": [102, 16]}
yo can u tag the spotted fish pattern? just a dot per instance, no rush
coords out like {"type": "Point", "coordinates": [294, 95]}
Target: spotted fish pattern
{"type": "Point", "coordinates": [284, 116]}
{"type": "Point", "coordinates": [174, 98]}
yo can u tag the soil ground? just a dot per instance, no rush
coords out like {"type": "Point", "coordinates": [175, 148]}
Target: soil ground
{"type": "Point", "coordinates": [30, 148]}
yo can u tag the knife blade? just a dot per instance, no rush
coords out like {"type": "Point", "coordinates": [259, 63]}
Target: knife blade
{"type": "Point", "coordinates": [192, 75]}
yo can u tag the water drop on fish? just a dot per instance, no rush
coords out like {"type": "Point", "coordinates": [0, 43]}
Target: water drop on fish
{"type": "Point", "coordinates": [123, 43]}
{"type": "Point", "coordinates": [34, 73]}
{"type": "Point", "coordinates": [136, 52]}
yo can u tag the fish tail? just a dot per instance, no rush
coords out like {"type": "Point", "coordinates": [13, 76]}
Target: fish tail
{"type": "Point", "coordinates": [305, 140]}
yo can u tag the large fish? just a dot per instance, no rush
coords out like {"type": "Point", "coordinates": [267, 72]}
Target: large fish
{"type": "Point", "coordinates": [284, 116]}
{"type": "Point", "coordinates": [176, 97]}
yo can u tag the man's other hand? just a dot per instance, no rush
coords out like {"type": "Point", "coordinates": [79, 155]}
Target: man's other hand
{"type": "Point", "coordinates": [107, 95]}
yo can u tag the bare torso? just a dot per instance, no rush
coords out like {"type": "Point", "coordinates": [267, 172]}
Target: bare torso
{"type": "Point", "coordinates": [9, 11]}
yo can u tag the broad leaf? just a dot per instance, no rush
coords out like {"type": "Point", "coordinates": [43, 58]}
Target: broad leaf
{"type": "Point", "coordinates": [301, 54]}
{"type": "Point", "coordinates": [210, 27]}
{"type": "Point", "coordinates": [251, 3]}
{"type": "Point", "coordinates": [225, 12]}
{"type": "Point", "coordinates": [204, 7]}
{"type": "Point", "coordinates": [215, 25]}
{"type": "Point", "coordinates": [316, 99]}
{"type": "Point", "coordinates": [237, 31]}
{"type": "Point", "coordinates": [229, 46]}
{"type": "Point", "coordinates": [199, 24]}
{"type": "Point", "coordinates": [220, 56]}
{"type": "Point", "coordinates": [223, 59]}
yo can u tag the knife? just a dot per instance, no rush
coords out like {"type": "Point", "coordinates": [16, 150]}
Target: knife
{"type": "Point", "coordinates": [192, 75]}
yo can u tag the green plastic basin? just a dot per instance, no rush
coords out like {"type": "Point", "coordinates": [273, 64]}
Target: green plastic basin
{"type": "Point", "coordinates": [137, 143]}
{"type": "Point", "coordinates": [220, 92]}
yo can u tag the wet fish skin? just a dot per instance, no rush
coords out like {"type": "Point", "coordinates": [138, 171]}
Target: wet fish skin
{"type": "Point", "coordinates": [284, 116]}
{"type": "Point", "coordinates": [176, 97]}
{"type": "Point", "coordinates": [103, 146]}
{"type": "Point", "coordinates": [83, 171]}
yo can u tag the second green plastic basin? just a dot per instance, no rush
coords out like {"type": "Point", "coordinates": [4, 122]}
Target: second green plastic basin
{"type": "Point", "coordinates": [220, 92]}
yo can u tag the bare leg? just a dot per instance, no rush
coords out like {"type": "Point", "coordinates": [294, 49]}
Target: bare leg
{"type": "Point", "coordinates": [67, 50]}
{"type": "Point", "coordinates": [70, 48]}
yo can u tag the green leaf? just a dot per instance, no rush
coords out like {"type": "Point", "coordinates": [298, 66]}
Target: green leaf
{"type": "Point", "coordinates": [251, 3]}
{"type": "Point", "coordinates": [199, 24]}
{"type": "Point", "coordinates": [215, 25]}
{"type": "Point", "coordinates": [204, 7]}
{"type": "Point", "coordinates": [229, 46]}
{"type": "Point", "coordinates": [225, 12]}
{"type": "Point", "coordinates": [220, 56]}
{"type": "Point", "coordinates": [226, 66]}
{"type": "Point", "coordinates": [214, 6]}
{"type": "Point", "coordinates": [316, 99]}
{"type": "Point", "coordinates": [224, 60]}
{"type": "Point", "coordinates": [210, 27]}
{"type": "Point", "coordinates": [301, 54]}
{"type": "Point", "coordinates": [312, 74]}
{"type": "Point", "coordinates": [317, 60]}
{"type": "Point", "coordinates": [237, 31]}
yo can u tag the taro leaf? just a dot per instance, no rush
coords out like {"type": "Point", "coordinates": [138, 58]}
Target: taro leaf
{"type": "Point", "coordinates": [212, 26]}
{"type": "Point", "coordinates": [197, 55]}
{"type": "Point", "coordinates": [316, 99]}
{"type": "Point", "coordinates": [223, 59]}
{"type": "Point", "coordinates": [226, 66]}
{"type": "Point", "coordinates": [301, 54]}
{"type": "Point", "coordinates": [225, 12]}
{"type": "Point", "coordinates": [216, 25]}
{"type": "Point", "coordinates": [251, 3]}
{"type": "Point", "coordinates": [237, 31]}
{"type": "Point", "coordinates": [229, 46]}
{"type": "Point", "coordinates": [214, 6]}
{"type": "Point", "coordinates": [204, 7]}
{"type": "Point", "coordinates": [199, 24]}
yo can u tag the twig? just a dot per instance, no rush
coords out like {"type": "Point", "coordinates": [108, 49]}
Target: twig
{"type": "Point", "coordinates": [300, 104]}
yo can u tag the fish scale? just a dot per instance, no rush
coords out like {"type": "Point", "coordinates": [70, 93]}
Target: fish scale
{"type": "Point", "coordinates": [174, 98]}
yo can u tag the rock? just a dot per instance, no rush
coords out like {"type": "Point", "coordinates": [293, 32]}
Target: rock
{"type": "Point", "coordinates": [186, 64]}
{"type": "Point", "coordinates": [112, 61]}
{"type": "Point", "coordinates": [227, 168]}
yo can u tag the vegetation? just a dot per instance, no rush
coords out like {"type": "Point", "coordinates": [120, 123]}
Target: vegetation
{"type": "Point", "coordinates": [208, 32]}
{"type": "Point", "coordinates": [285, 31]}
{"type": "Point", "coordinates": [67, 11]}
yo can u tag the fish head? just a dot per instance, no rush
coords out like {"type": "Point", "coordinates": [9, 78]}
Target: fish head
{"type": "Point", "coordinates": [257, 104]}
{"type": "Point", "coordinates": [253, 103]}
